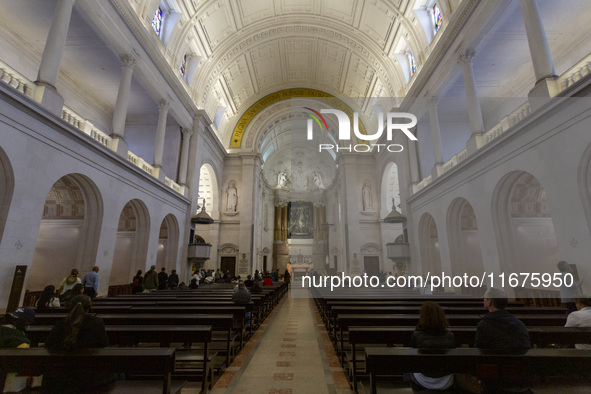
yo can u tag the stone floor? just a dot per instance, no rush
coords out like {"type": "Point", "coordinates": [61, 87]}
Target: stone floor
{"type": "Point", "coordinates": [290, 353]}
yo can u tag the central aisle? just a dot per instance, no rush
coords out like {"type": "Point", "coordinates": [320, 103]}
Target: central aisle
{"type": "Point", "coordinates": [288, 354]}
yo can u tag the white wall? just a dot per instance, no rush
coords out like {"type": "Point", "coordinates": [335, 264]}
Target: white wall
{"type": "Point", "coordinates": [41, 149]}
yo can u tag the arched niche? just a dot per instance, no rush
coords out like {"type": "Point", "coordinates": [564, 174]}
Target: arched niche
{"type": "Point", "coordinates": [523, 225]}
{"type": "Point", "coordinates": [390, 191]}
{"type": "Point", "coordinates": [429, 245]}
{"type": "Point", "coordinates": [69, 232]}
{"type": "Point", "coordinates": [208, 188]}
{"type": "Point", "coordinates": [168, 241]}
{"type": "Point", "coordinates": [6, 189]}
{"type": "Point", "coordinates": [131, 246]}
{"type": "Point", "coordinates": [464, 239]}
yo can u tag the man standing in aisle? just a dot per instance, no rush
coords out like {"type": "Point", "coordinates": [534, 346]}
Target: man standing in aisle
{"type": "Point", "coordinates": [151, 279]}
{"type": "Point", "coordinates": [162, 279]}
{"type": "Point", "coordinates": [90, 282]}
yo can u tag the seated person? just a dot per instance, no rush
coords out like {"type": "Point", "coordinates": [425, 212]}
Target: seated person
{"type": "Point", "coordinates": [499, 329]}
{"type": "Point", "coordinates": [241, 296]}
{"type": "Point", "coordinates": [580, 318]}
{"type": "Point", "coordinates": [431, 332]}
{"type": "Point", "coordinates": [256, 287]}
{"type": "Point", "coordinates": [79, 330]}
{"type": "Point", "coordinates": [12, 335]}
{"type": "Point", "coordinates": [249, 282]}
{"type": "Point", "coordinates": [76, 291]}
{"type": "Point", "coordinates": [267, 281]}
{"type": "Point", "coordinates": [194, 284]}
{"type": "Point", "coordinates": [48, 299]}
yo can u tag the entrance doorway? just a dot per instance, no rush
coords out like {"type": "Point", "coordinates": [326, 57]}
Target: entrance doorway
{"type": "Point", "coordinates": [228, 263]}
{"type": "Point", "coordinates": [371, 265]}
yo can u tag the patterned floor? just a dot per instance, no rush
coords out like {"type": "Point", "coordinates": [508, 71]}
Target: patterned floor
{"type": "Point", "coordinates": [290, 353]}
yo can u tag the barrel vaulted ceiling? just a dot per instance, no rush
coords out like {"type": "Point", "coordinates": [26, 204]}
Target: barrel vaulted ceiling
{"type": "Point", "coordinates": [251, 48]}
{"type": "Point", "coordinates": [247, 49]}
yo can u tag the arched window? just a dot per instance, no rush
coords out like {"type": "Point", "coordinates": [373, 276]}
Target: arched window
{"type": "Point", "coordinates": [411, 63]}
{"type": "Point", "coordinates": [157, 21]}
{"type": "Point", "coordinates": [183, 67]}
{"type": "Point", "coordinates": [437, 20]}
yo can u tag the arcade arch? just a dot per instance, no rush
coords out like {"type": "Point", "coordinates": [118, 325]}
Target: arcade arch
{"type": "Point", "coordinates": [69, 231]}
{"type": "Point", "coordinates": [131, 246]}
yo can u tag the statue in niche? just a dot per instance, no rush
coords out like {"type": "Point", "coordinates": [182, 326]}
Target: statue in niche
{"type": "Point", "coordinates": [366, 197]}
{"type": "Point", "coordinates": [232, 198]}
{"type": "Point", "coordinates": [282, 180]}
{"type": "Point", "coordinates": [318, 180]}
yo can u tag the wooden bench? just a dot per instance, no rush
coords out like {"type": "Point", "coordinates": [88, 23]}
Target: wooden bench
{"type": "Point", "coordinates": [488, 365]}
{"type": "Point", "coordinates": [132, 335]}
{"type": "Point", "coordinates": [41, 361]}
{"type": "Point", "coordinates": [559, 313]}
{"type": "Point", "coordinates": [344, 321]}
{"type": "Point", "coordinates": [222, 323]}
{"type": "Point", "coordinates": [388, 336]}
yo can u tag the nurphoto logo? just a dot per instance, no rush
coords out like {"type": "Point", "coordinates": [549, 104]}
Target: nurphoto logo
{"type": "Point", "coordinates": [393, 122]}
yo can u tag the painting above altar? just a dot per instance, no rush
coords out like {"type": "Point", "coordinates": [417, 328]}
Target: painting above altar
{"type": "Point", "coordinates": [300, 218]}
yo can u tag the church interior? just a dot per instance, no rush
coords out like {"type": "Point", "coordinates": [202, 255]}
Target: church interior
{"type": "Point", "coordinates": [385, 138]}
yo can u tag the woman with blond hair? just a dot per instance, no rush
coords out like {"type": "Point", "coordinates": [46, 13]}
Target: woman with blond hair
{"type": "Point", "coordinates": [67, 284]}
{"type": "Point", "coordinates": [431, 332]}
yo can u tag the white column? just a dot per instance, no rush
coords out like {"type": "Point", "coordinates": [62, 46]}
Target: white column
{"type": "Point", "coordinates": [413, 164]}
{"type": "Point", "coordinates": [248, 187]}
{"type": "Point", "coordinates": [435, 136]}
{"type": "Point", "coordinates": [537, 41]}
{"type": "Point", "coordinates": [473, 103]}
{"type": "Point", "coordinates": [187, 133]}
{"type": "Point", "coordinates": [46, 93]}
{"type": "Point", "coordinates": [351, 188]}
{"type": "Point", "coordinates": [540, 53]}
{"type": "Point", "coordinates": [127, 64]}
{"type": "Point", "coordinates": [160, 134]}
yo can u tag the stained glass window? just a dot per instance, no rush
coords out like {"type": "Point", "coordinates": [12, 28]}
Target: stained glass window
{"type": "Point", "coordinates": [157, 21]}
{"type": "Point", "coordinates": [437, 21]}
{"type": "Point", "coordinates": [183, 66]}
{"type": "Point", "coordinates": [411, 63]}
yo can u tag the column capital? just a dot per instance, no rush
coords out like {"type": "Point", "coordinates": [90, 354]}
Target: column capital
{"type": "Point", "coordinates": [164, 105]}
{"type": "Point", "coordinates": [127, 61]}
{"type": "Point", "coordinates": [187, 132]}
{"type": "Point", "coordinates": [466, 57]}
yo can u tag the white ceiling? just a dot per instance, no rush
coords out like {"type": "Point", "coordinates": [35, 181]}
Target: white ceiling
{"type": "Point", "coordinates": [250, 48]}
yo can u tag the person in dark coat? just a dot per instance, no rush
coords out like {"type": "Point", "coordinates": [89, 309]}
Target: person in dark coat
{"type": "Point", "coordinates": [173, 280]}
{"type": "Point", "coordinates": [162, 279]}
{"type": "Point", "coordinates": [431, 332]}
{"type": "Point", "coordinates": [287, 277]}
{"type": "Point", "coordinates": [137, 283]}
{"type": "Point", "coordinates": [499, 329]}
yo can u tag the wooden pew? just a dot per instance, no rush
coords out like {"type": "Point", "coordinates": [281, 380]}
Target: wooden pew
{"type": "Point", "coordinates": [489, 365]}
{"type": "Point", "coordinates": [132, 335]}
{"type": "Point", "coordinates": [388, 336]}
{"type": "Point", "coordinates": [344, 321]}
{"type": "Point", "coordinates": [449, 310]}
{"type": "Point", "coordinates": [219, 322]}
{"type": "Point", "coordinates": [41, 361]}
